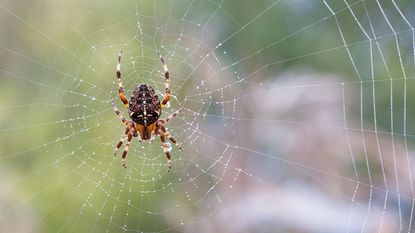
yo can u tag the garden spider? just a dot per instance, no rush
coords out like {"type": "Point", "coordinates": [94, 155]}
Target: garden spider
{"type": "Point", "coordinates": [144, 110]}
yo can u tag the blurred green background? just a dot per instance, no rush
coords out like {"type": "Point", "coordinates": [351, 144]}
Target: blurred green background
{"type": "Point", "coordinates": [280, 98]}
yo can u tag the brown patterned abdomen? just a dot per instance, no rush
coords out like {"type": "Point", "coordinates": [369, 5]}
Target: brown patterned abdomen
{"type": "Point", "coordinates": [144, 106]}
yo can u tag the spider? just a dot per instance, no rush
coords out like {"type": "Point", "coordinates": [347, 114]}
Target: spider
{"type": "Point", "coordinates": [144, 110]}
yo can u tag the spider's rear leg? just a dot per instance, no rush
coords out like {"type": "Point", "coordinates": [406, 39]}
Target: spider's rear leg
{"type": "Point", "coordinates": [124, 153]}
{"type": "Point", "coordinates": [168, 134]}
{"type": "Point", "coordinates": [124, 135]}
{"type": "Point", "coordinates": [164, 146]}
{"type": "Point", "coordinates": [139, 137]}
{"type": "Point", "coordinates": [167, 77]}
{"type": "Point", "coordinates": [120, 87]}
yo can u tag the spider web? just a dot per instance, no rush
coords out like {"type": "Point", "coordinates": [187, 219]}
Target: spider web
{"type": "Point", "coordinates": [294, 112]}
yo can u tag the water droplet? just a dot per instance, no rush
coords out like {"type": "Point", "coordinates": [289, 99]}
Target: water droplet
{"type": "Point", "coordinates": [169, 147]}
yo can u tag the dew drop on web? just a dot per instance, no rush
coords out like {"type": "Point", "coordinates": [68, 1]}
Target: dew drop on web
{"type": "Point", "coordinates": [169, 147]}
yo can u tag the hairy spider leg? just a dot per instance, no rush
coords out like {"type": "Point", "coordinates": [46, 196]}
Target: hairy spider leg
{"type": "Point", "coordinates": [120, 87]}
{"type": "Point", "coordinates": [167, 77]}
{"type": "Point", "coordinates": [168, 134]}
{"type": "Point", "coordinates": [164, 146]}
{"type": "Point", "coordinates": [173, 115]}
{"type": "Point", "coordinates": [124, 135]}
{"type": "Point", "coordinates": [124, 153]}
{"type": "Point", "coordinates": [119, 114]}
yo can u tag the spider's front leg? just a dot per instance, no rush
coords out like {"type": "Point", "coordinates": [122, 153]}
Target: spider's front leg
{"type": "Point", "coordinates": [120, 87]}
{"type": "Point", "coordinates": [167, 77]}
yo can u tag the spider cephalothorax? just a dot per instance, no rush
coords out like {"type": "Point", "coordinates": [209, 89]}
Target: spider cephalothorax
{"type": "Point", "coordinates": [144, 109]}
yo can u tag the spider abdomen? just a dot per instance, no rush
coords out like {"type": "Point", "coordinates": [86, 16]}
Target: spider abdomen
{"type": "Point", "coordinates": [144, 105]}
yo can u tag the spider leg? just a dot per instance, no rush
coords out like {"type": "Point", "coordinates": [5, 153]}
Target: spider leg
{"type": "Point", "coordinates": [167, 77]}
{"type": "Point", "coordinates": [139, 138]}
{"type": "Point", "coordinates": [173, 115]}
{"type": "Point", "coordinates": [168, 134]}
{"type": "Point", "coordinates": [119, 114]}
{"type": "Point", "coordinates": [164, 146]}
{"type": "Point", "coordinates": [124, 153]}
{"type": "Point", "coordinates": [120, 87]}
{"type": "Point", "coordinates": [124, 135]}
